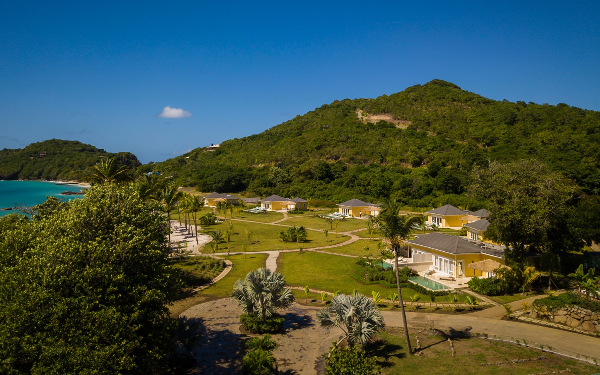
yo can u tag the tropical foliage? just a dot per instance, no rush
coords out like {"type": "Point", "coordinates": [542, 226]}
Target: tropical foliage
{"type": "Point", "coordinates": [56, 159]}
{"type": "Point", "coordinates": [262, 293]}
{"type": "Point", "coordinates": [343, 360]}
{"type": "Point", "coordinates": [85, 288]}
{"type": "Point", "coordinates": [294, 234]}
{"type": "Point", "coordinates": [356, 315]}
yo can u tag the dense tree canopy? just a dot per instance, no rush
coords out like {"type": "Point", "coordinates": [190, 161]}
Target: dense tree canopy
{"type": "Point", "coordinates": [84, 288]}
{"type": "Point", "coordinates": [424, 159]}
{"type": "Point", "coordinates": [56, 159]}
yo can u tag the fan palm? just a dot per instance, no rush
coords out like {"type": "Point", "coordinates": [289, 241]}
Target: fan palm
{"type": "Point", "coordinates": [109, 170]}
{"type": "Point", "coordinates": [356, 315]}
{"type": "Point", "coordinates": [396, 228]}
{"type": "Point", "coordinates": [261, 293]}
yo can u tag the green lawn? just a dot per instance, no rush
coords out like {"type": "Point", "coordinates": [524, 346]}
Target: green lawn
{"type": "Point", "coordinates": [332, 273]}
{"type": "Point", "coordinates": [266, 237]}
{"type": "Point", "coordinates": [358, 248]}
{"type": "Point", "coordinates": [241, 267]}
{"type": "Point", "coordinates": [268, 217]}
{"type": "Point", "coordinates": [512, 297]}
{"type": "Point", "coordinates": [310, 221]}
{"type": "Point", "coordinates": [471, 353]}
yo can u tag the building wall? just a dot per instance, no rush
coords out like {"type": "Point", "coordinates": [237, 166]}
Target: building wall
{"type": "Point", "coordinates": [278, 206]}
{"type": "Point", "coordinates": [359, 211]}
{"type": "Point", "coordinates": [210, 202]}
{"type": "Point", "coordinates": [480, 236]}
{"type": "Point", "coordinates": [448, 221]}
{"type": "Point", "coordinates": [467, 258]}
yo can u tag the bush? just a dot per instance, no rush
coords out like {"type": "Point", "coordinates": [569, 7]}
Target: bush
{"type": "Point", "coordinates": [270, 325]}
{"type": "Point", "coordinates": [373, 272]}
{"type": "Point", "coordinates": [350, 361]}
{"type": "Point", "coordinates": [258, 362]}
{"type": "Point", "coordinates": [294, 234]}
{"type": "Point", "coordinates": [567, 299]}
{"type": "Point", "coordinates": [261, 343]}
{"type": "Point", "coordinates": [296, 212]}
{"type": "Point", "coordinates": [485, 286]}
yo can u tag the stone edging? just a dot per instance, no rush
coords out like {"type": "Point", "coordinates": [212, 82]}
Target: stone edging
{"type": "Point", "coordinates": [518, 315]}
{"type": "Point", "coordinates": [406, 303]}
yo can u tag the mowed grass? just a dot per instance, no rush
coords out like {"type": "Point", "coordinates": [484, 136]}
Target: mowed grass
{"type": "Point", "coordinates": [265, 237]}
{"type": "Point", "coordinates": [512, 297]}
{"type": "Point", "coordinates": [241, 267]}
{"type": "Point", "coordinates": [308, 220]}
{"type": "Point", "coordinates": [358, 248]}
{"type": "Point", "coordinates": [436, 359]}
{"type": "Point", "coordinates": [330, 273]}
{"type": "Point", "coordinates": [267, 217]}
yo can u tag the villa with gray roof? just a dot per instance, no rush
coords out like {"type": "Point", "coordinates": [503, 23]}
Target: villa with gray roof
{"type": "Point", "coordinates": [277, 203]}
{"type": "Point", "coordinates": [446, 216]}
{"type": "Point", "coordinates": [451, 254]}
{"type": "Point", "coordinates": [358, 208]}
{"type": "Point", "coordinates": [212, 199]}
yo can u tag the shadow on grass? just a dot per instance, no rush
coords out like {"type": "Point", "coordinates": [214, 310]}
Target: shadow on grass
{"type": "Point", "coordinates": [384, 350]}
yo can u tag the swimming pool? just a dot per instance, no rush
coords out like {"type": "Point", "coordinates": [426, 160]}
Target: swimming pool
{"type": "Point", "coordinates": [427, 283]}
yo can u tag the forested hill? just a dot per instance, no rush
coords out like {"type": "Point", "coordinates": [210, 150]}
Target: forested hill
{"type": "Point", "coordinates": [55, 159]}
{"type": "Point", "coordinates": [423, 155]}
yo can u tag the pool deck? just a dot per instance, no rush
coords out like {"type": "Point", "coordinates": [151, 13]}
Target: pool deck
{"type": "Point", "coordinates": [460, 283]}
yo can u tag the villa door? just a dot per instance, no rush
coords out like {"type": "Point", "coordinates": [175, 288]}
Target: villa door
{"type": "Point", "coordinates": [460, 268]}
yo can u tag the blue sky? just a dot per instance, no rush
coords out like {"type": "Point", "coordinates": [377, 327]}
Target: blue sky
{"type": "Point", "coordinates": [102, 72]}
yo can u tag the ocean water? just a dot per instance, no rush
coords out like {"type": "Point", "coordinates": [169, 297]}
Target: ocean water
{"type": "Point", "coordinates": [30, 193]}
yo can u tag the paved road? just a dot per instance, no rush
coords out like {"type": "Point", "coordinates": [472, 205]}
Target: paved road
{"type": "Point", "coordinates": [557, 340]}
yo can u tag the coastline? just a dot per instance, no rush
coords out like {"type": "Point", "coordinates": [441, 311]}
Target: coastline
{"type": "Point", "coordinates": [60, 182]}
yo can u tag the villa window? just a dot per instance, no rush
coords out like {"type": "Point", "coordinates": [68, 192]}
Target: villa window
{"type": "Point", "coordinates": [474, 236]}
{"type": "Point", "coordinates": [437, 221]}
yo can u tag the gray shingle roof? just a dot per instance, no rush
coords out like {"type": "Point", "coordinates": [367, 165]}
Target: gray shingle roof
{"type": "Point", "coordinates": [299, 200]}
{"type": "Point", "coordinates": [215, 195]}
{"type": "Point", "coordinates": [251, 200]}
{"type": "Point", "coordinates": [481, 225]}
{"type": "Point", "coordinates": [481, 213]}
{"type": "Point", "coordinates": [448, 210]}
{"type": "Point", "coordinates": [274, 198]}
{"type": "Point", "coordinates": [356, 203]}
{"type": "Point", "coordinates": [446, 243]}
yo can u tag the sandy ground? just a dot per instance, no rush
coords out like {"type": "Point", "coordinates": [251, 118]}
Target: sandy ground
{"type": "Point", "coordinates": [181, 235]}
{"type": "Point", "coordinates": [222, 348]}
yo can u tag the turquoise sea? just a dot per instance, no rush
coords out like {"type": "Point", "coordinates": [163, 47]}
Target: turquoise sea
{"type": "Point", "coordinates": [30, 193]}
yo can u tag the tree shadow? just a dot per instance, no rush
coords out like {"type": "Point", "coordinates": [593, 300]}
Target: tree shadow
{"type": "Point", "coordinates": [220, 352]}
{"type": "Point", "coordinates": [384, 350]}
{"type": "Point", "coordinates": [294, 320]}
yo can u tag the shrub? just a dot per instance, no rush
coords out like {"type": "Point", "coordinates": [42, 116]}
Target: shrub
{"type": "Point", "coordinates": [296, 212]}
{"type": "Point", "coordinates": [256, 325]}
{"type": "Point", "coordinates": [294, 234]}
{"type": "Point", "coordinates": [350, 361]}
{"type": "Point", "coordinates": [487, 287]}
{"type": "Point", "coordinates": [567, 299]}
{"type": "Point", "coordinates": [262, 343]}
{"type": "Point", "coordinates": [373, 272]}
{"type": "Point", "coordinates": [258, 362]}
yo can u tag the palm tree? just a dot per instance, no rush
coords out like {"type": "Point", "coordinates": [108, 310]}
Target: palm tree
{"type": "Point", "coordinates": [396, 229]}
{"type": "Point", "coordinates": [217, 237]}
{"type": "Point", "coordinates": [195, 206]}
{"type": "Point", "coordinates": [169, 196]}
{"type": "Point", "coordinates": [356, 315]}
{"type": "Point", "coordinates": [109, 170]}
{"type": "Point", "coordinates": [261, 293]}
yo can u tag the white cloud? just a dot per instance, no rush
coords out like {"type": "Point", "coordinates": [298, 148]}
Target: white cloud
{"type": "Point", "coordinates": [169, 112]}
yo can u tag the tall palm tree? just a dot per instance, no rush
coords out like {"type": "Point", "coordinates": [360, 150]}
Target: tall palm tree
{"type": "Point", "coordinates": [169, 196]}
{"type": "Point", "coordinates": [108, 171]}
{"type": "Point", "coordinates": [195, 206]}
{"type": "Point", "coordinates": [396, 228]}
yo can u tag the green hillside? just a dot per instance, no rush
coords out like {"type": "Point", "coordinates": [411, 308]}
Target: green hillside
{"type": "Point", "coordinates": [423, 155]}
{"type": "Point", "coordinates": [55, 159]}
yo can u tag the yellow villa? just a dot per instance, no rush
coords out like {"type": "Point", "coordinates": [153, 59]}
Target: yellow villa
{"type": "Point", "coordinates": [446, 216]}
{"type": "Point", "coordinates": [450, 255]}
{"type": "Point", "coordinates": [212, 199]}
{"type": "Point", "coordinates": [277, 203]}
{"type": "Point", "coordinates": [358, 208]}
{"type": "Point", "coordinates": [475, 216]}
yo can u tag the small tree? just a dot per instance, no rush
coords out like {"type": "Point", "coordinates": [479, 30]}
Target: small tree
{"type": "Point", "coordinates": [393, 297]}
{"type": "Point", "coordinates": [326, 234]}
{"type": "Point", "coordinates": [306, 290]}
{"type": "Point", "coordinates": [356, 315]}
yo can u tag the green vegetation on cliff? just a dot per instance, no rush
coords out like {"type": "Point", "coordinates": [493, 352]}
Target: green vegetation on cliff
{"type": "Point", "coordinates": [55, 159]}
{"type": "Point", "coordinates": [423, 156]}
